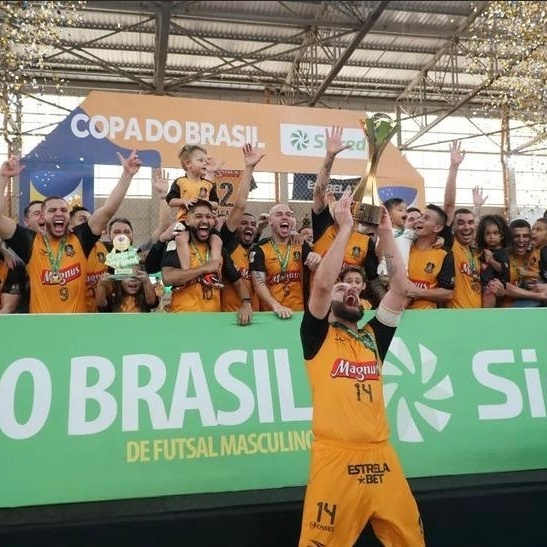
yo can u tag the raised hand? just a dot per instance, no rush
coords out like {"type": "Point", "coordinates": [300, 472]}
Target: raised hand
{"type": "Point", "coordinates": [131, 164]}
{"type": "Point", "coordinates": [160, 181]}
{"type": "Point", "coordinates": [456, 153]}
{"type": "Point", "coordinates": [251, 156]}
{"type": "Point", "coordinates": [333, 141]}
{"type": "Point", "coordinates": [11, 167]}
{"type": "Point", "coordinates": [478, 198]}
{"type": "Point", "coordinates": [342, 209]}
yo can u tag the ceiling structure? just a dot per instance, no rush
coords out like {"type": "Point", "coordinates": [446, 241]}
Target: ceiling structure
{"type": "Point", "coordinates": [400, 56]}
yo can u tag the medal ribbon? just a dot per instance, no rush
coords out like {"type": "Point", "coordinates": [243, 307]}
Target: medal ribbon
{"type": "Point", "coordinates": [283, 261]}
{"type": "Point", "coordinates": [364, 337]}
{"type": "Point", "coordinates": [54, 261]}
{"type": "Point", "coordinates": [202, 260]}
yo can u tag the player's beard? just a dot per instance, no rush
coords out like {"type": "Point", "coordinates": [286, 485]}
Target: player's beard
{"type": "Point", "coordinates": [341, 311]}
{"type": "Point", "coordinates": [195, 236]}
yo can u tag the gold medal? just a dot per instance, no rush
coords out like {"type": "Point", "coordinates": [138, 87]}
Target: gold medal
{"type": "Point", "coordinates": [55, 279]}
{"type": "Point", "coordinates": [286, 289]}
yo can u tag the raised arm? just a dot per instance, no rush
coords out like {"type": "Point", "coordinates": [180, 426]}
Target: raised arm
{"type": "Point", "coordinates": [333, 146]}
{"type": "Point", "coordinates": [10, 168]}
{"type": "Point", "coordinates": [160, 183]}
{"type": "Point", "coordinates": [456, 157]}
{"type": "Point", "coordinates": [329, 268]}
{"type": "Point", "coordinates": [395, 298]}
{"type": "Point", "coordinates": [251, 158]}
{"type": "Point", "coordinates": [100, 218]}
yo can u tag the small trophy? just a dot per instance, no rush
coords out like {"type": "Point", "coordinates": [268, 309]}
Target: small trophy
{"type": "Point", "coordinates": [378, 129]}
{"type": "Point", "coordinates": [122, 258]}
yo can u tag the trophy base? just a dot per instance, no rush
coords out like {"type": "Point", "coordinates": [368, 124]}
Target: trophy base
{"type": "Point", "coordinates": [366, 213]}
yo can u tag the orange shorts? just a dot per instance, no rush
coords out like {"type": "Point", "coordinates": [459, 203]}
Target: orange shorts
{"type": "Point", "coordinates": [350, 485]}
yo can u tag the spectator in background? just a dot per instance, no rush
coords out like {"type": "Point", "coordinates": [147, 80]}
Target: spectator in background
{"type": "Point", "coordinates": [430, 268]}
{"type": "Point", "coordinates": [188, 292]}
{"type": "Point", "coordinates": [32, 217]}
{"type": "Point", "coordinates": [132, 295]}
{"type": "Point", "coordinates": [185, 191]}
{"type": "Point", "coordinates": [493, 242]}
{"type": "Point", "coordinates": [396, 208]}
{"type": "Point", "coordinates": [238, 234]}
{"type": "Point", "coordinates": [360, 250]}
{"type": "Point", "coordinates": [412, 215]}
{"type": "Point", "coordinates": [518, 292]}
{"type": "Point", "coordinates": [279, 268]}
{"type": "Point", "coordinates": [467, 281]}
{"type": "Point", "coordinates": [12, 280]}
{"type": "Point", "coordinates": [56, 260]}
{"type": "Point", "coordinates": [355, 277]}
{"type": "Point", "coordinates": [96, 261]}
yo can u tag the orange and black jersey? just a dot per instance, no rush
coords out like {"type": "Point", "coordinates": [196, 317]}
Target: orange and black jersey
{"type": "Point", "coordinates": [430, 269]}
{"type": "Point", "coordinates": [184, 188]}
{"type": "Point", "coordinates": [289, 285]}
{"type": "Point", "coordinates": [11, 281]}
{"type": "Point", "coordinates": [345, 376]}
{"type": "Point", "coordinates": [64, 291]}
{"type": "Point", "coordinates": [240, 257]}
{"type": "Point", "coordinates": [359, 250]}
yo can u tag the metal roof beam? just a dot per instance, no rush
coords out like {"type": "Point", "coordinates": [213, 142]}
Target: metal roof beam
{"type": "Point", "coordinates": [365, 27]}
{"type": "Point", "coordinates": [163, 21]}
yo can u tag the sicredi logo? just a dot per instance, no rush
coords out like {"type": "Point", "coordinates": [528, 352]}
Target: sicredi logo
{"type": "Point", "coordinates": [309, 140]}
{"type": "Point", "coordinates": [422, 412]}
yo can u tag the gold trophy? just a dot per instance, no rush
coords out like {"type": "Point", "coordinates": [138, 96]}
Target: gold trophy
{"type": "Point", "coordinates": [378, 129]}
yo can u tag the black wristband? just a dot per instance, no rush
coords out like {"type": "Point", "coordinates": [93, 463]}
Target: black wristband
{"type": "Point", "coordinates": [246, 301]}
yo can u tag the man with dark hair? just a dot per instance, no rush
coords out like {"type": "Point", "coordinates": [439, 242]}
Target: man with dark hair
{"type": "Point", "coordinates": [188, 290]}
{"type": "Point", "coordinates": [96, 261]}
{"type": "Point", "coordinates": [430, 268]}
{"type": "Point", "coordinates": [355, 474]}
{"type": "Point", "coordinates": [32, 216]}
{"type": "Point", "coordinates": [412, 215]}
{"type": "Point", "coordinates": [56, 259]}
{"type": "Point", "coordinates": [467, 281]}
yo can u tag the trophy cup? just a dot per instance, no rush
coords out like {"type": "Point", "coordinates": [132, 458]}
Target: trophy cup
{"type": "Point", "coordinates": [123, 258]}
{"type": "Point", "coordinates": [378, 129]}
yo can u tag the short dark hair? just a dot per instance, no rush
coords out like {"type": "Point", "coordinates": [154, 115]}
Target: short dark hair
{"type": "Point", "coordinates": [439, 211]}
{"type": "Point", "coordinates": [393, 202]}
{"type": "Point", "coordinates": [413, 210]}
{"type": "Point", "coordinates": [462, 211]}
{"type": "Point", "coordinates": [123, 220]}
{"type": "Point", "coordinates": [520, 223]}
{"type": "Point", "coordinates": [200, 203]}
{"type": "Point", "coordinates": [77, 209]}
{"type": "Point", "coordinates": [352, 268]}
{"type": "Point", "coordinates": [51, 198]}
{"type": "Point", "coordinates": [26, 210]}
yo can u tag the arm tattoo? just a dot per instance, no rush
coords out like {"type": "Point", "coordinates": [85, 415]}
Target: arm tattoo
{"type": "Point", "coordinates": [390, 265]}
{"type": "Point", "coordinates": [260, 277]}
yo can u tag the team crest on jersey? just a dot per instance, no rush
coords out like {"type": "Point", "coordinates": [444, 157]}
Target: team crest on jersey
{"type": "Point", "coordinates": [355, 251]}
{"type": "Point", "coordinates": [69, 250]}
{"type": "Point", "coordinates": [296, 256]}
{"type": "Point", "coordinates": [101, 257]}
{"type": "Point", "coordinates": [429, 267]}
{"type": "Point", "coordinates": [361, 371]}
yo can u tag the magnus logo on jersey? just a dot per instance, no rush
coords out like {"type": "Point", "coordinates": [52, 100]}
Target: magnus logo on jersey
{"type": "Point", "coordinates": [342, 368]}
{"type": "Point", "coordinates": [62, 277]}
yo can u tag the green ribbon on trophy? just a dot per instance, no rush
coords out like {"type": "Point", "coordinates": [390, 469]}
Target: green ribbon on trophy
{"type": "Point", "coordinates": [122, 258]}
{"type": "Point", "coordinates": [378, 129]}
